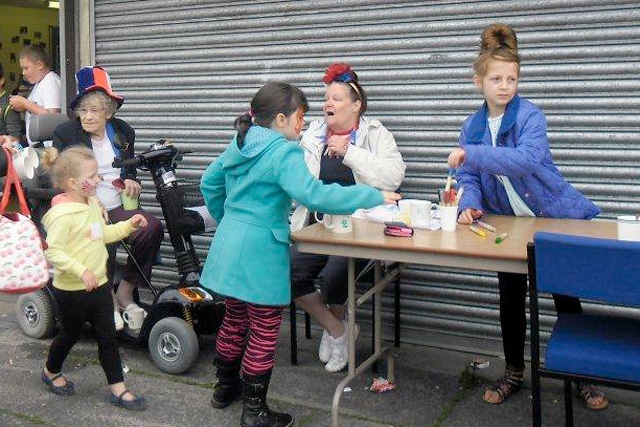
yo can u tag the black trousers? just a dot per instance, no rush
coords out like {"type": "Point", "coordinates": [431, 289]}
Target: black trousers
{"type": "Point", "coordinates": [513, 321]}
{"type": "Point", "coordinates": [331, 270]}
{"type": "Point", "coordinates": [76, 308]}
{"type": "Point", "coordinates": [144, 242]}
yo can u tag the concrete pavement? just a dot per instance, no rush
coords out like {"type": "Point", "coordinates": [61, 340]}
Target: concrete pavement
{"type": "Point", "coordinates": [434, 388]}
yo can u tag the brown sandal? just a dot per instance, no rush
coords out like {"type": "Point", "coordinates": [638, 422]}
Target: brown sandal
{"type": "Point", "coordinates": [592, 396]}
{"type": "Point", "coordinates": [510, 382]}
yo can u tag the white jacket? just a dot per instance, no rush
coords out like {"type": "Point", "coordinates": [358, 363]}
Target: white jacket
{"type": "Point", "coordinates": [374, 159]}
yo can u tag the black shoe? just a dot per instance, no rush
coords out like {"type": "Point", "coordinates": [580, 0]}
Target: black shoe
{"type": "Point", "coordinates": [255, 412]}
{"type": "Point", "coordinates": [137, 404]}
{"type": "Point", "coordinates": [229, 386]}
{"type": "Point", "coordinates": [61, 390]}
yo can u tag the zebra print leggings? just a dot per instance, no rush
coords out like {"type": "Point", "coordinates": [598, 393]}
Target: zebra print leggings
{"type": "Point", "coordinates": [261, 323]}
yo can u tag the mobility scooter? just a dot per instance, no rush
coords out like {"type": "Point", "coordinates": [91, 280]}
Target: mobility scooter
{"type": "Point", "coordinates": [180, 312]}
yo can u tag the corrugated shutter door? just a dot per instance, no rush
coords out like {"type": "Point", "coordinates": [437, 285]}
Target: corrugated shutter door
{"type": "Point", "coordinates": [188, 68]}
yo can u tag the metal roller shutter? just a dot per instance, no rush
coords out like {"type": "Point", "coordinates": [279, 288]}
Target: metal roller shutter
{"type": "Point", "coordinates": [188, 68]}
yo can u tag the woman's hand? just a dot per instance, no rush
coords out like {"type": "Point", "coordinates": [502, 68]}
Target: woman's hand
{"type": "Point", "coordinates": [18, 103]}
{"type": "Point", "coordinates": [132, 188]}
{"type": "Point", "coordinates": [138, 221]}
{"type": "Point", "coordinates": [391, 198]}
{"type": "Point", "coordinates": [338, 145]}
{"type": "Point", "coordinates": [90, 280]}
{"type": "Point", "coordinates": [467, 216]}
{"type": "Point", "coordinates": [456, 158]}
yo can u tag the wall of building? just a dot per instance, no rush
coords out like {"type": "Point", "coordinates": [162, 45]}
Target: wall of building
{"type": "Point", "coordinates": [37, 22]}
{"type": "Point", "coordinates": [189, 67]}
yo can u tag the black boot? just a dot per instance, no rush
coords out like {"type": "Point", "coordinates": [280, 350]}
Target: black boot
{"type": "Point", "coordinates": [229, 385]}
{"type": "Point", "coordinates": [255, 412]}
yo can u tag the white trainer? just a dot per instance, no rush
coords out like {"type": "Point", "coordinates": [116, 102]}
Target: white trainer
{"type": "Point", "coordinates": [117, 319]}
{"type": "Point", "coordinates": [134, 306]}
{"type": "Point", "coordinates": [324, 351]}
{"type": "Point", "coordinates": [339, 353]}
{"type": "Point", "coordinates": [340, 350]}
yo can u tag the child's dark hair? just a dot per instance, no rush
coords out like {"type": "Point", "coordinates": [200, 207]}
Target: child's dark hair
{"type": "Point", "coordinates": [35, 54]}
{"type": "Point", "coordinates": [498, 41]}
{"type": "Point", "coordinates": [270, 100]}
{"type": "Point", "coordinates": [65, 165]}
{"type": "Point", "coordinates": [343, 73]}
{"type": "Point", "coordinates": [1, 71]}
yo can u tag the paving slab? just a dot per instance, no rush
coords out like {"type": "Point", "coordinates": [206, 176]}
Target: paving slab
{"type": "Point", "coordinates": [435, 388]}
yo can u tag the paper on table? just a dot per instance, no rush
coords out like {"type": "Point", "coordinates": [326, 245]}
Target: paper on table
{"type": "Point", "coordinates": [434, 225]}
{"type": "Point", "coordinates": [381, 213]}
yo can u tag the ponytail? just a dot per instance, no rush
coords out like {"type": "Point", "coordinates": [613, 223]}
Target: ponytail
{"type": "Point", "coordinates": [242, 125]}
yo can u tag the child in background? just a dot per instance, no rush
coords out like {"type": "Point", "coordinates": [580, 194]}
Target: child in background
{"type": "Point", "coordinates": [10, 125]}
{"type": "Point", "coordinates": [45, 97]}
{"type": "Point", "coordinates": [248, 190]}
{"type": "Point", "coordinates": [505, 167]}
{"type": "Point", "coordinates": [76, 239]}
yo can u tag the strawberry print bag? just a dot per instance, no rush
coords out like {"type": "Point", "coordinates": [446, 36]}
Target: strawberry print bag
{"type": "Point", "coordinates": [23, 266]}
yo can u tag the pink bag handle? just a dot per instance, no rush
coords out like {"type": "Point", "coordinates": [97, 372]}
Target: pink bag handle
{"type": "Point", "coordinates": [12, 180]}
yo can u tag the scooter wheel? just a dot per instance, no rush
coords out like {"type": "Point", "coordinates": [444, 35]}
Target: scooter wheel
{"type": "Point", "coordinates": [173, 345]}
{"type": "Point", "coordinates": [35, 314]}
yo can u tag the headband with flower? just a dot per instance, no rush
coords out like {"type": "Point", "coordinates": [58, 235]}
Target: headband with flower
{"type": "Point", "coordinates": [343, 73]}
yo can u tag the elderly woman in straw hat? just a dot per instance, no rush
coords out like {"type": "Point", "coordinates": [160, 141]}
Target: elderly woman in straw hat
{"type": "Point", "coordinates": [95, 126]}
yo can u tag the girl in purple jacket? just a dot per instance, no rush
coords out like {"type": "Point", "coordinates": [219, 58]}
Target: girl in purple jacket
{"type": "Point", "coordinates": [504, 165]}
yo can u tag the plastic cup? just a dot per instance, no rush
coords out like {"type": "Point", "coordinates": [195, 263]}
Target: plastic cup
{"type": "Point", "coordinates": [129, 203]}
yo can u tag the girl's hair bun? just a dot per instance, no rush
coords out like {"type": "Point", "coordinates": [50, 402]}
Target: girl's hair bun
{"type": "Point", "coordinates": [498, 36]}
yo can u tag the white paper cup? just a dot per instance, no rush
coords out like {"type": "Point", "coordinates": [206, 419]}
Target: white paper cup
{"type": "Point", "coordinates": [32, 158]}
{"type": "Point", "coordinates": [628, 228]}
{"type": "Point", "coordinates": [448, 217]}
{"type": "Point", "coordinates": [22, 166]}
{"type": "Point", "coordinates": [420, 213]}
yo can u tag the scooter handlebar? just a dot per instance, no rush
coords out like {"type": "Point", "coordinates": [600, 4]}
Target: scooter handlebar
{"type": "Point", "coordinates": [158, 153]}
{"type": "Point", "coordinates": [132, 162]}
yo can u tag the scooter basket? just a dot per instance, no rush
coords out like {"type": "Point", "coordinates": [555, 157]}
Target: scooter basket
{"type": "Point", "coordinates": [193, 219]}
{"type": "Point", "coordinates": [191, 194]}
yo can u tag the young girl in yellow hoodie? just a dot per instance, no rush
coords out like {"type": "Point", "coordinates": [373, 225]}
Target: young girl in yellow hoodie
{"type": "Point", "coordinates": [76, 239]}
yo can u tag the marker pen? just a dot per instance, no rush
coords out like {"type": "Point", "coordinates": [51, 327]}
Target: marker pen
{"type": "Point", "coordinates": [476, 230]}
{"type": "Point", "coordinates": [501, 238]}
{"type": "Point", "coordinates": [486, 226]}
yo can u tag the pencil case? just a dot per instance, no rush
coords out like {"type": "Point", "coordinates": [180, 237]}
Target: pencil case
{"type": "Point", "coordinates": [398, 231]}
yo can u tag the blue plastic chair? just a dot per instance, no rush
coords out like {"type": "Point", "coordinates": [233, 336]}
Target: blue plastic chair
{"type": "Point", "coordinates": [598, 349]}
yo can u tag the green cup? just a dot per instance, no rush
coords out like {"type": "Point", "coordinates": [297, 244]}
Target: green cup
{"type": "Point", "coordinates": [129, 203]}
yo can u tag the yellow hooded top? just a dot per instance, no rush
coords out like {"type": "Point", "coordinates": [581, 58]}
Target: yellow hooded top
{"type": "Point", "coordinates": [77, 236]}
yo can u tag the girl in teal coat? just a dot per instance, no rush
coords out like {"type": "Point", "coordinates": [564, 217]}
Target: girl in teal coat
{"type": "Point", "coordinates": [249, 190]}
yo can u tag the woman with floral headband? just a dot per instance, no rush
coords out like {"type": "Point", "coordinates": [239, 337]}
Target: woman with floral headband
{"type": "Point", "coordinates": [348, 149]}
